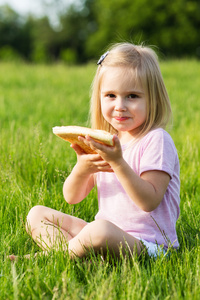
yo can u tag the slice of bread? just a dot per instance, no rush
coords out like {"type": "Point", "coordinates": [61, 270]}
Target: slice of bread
{"type": "Point", "coordinates": [71, 133]}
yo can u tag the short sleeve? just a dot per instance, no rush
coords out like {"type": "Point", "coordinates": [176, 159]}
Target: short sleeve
{"type": "Point", "coordinates": [158, 153]}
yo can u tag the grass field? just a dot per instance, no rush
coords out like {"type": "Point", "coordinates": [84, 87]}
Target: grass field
{"type": "Point", "coordinates": [34, 164]}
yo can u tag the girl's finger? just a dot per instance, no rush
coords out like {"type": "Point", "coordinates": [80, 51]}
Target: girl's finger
{"type": "Point", "coordinates": [80, 151]}
{"type": "Point", "coordinates": [93, 144]}
{"type": "Point", "coordinates": [77, 149]}
{"type": "Point", "coordinates": [116, 141]}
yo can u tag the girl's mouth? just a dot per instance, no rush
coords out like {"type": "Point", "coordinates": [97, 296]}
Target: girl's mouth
{"type": "Point", "coordinates": [121, 119]}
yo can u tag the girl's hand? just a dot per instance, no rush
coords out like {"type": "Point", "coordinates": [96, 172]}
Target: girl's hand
{"type": "Point", "coordinates": [90, 163]}
{"type": "Point", "coordinates": [109, 154]}
{"type": "Point", "coordinates": [81, 180]}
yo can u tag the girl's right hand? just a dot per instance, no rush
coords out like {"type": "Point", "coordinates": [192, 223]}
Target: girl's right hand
{"type": "Point", "coordinates": [90, 163]}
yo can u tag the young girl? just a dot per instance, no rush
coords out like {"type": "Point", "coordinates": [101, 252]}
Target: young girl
{"type": "Point", "coordinates": [137, 179]}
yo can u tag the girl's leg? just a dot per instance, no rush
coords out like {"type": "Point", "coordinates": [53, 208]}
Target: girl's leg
{"type": "Point", "coordinates": [102, 235]}
{"type": "Point", "coordinates": [50, 228]}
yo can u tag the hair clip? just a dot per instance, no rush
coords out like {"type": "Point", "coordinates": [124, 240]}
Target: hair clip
{"type": "Point", "coordinates": [102, 58]}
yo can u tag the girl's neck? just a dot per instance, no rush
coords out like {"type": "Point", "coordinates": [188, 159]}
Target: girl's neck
{"type": "Point", "coordinates": [125, 137]}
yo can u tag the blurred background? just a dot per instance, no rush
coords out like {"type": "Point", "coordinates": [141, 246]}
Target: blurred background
{"type": "Point", "coordinates": [77, 31]}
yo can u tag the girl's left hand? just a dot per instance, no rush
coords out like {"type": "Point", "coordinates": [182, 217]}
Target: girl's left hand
{"type": "Point", "coordinates": [108, 153]}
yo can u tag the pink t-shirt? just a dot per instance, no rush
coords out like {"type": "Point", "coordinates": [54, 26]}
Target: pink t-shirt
{"type": "Point", "coordinates": [155, 151]}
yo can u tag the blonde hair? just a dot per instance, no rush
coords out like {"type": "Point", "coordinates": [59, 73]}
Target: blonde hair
{"type": "Point", "coordinates": [144, 63]}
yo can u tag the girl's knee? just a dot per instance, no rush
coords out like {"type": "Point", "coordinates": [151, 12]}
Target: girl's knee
{"type": "Point", "coordinates": [100, 231]}
{"type": "Point", "coordinates": [35, 211]}
{"type": "Point", "coordinates": [35, 214]}
{"type": "Point", "coordinates": [103, 226]}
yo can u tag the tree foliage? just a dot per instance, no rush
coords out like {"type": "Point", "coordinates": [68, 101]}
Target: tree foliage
{"type": "Point", "coordinates": [87, 27]}
{"type": "Point", "coordinates": [172, 25]}
{"type": "Point", "coordinates": [14, 33]}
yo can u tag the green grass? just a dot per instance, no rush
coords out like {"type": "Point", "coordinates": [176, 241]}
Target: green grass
{"type": "Point", "coordinates": [34, 164]}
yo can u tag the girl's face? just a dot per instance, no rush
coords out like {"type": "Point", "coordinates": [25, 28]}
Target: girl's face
{"type": "Point", "coordinates": [123, 102]}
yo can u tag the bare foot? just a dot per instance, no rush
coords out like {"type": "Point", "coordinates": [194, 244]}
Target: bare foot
{"type": "Point", "coordinates": [13, 257]}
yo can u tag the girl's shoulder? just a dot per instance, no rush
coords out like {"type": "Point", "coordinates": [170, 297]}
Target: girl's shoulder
{"type": "Point", "coordinates": [157, 134]}
{"type": "Point", "coordinates": [158, 138]}
{"type": "Point", "coordinates": [153, 139]}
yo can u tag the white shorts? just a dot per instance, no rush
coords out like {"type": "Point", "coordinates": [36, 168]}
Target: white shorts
{"type": "Point", "coordinates": [153, 249]}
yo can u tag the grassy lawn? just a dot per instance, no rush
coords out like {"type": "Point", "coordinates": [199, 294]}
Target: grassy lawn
{"type": "Point", "coordinates": [34, 164]}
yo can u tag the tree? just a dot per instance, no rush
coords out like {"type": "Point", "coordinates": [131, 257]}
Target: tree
{"type": "Point", "coordinates": [77, 24]}
{"type": "Point", "coordinates": [172, 25]}
{"type": "Point", "coordinates": [85, 28]}
{"type": "Point", "coordinates": [14, 32]}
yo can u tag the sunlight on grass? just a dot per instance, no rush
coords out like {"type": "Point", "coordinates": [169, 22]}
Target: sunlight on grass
{"type": "Point", "coordinates": [34, 164]}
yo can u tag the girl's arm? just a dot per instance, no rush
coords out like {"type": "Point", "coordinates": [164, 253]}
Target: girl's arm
{"type": "Point", "coordinates": [81, 180]}
{"type": "Point", "coordinates": [77, 185]}
{"type": "Point", "coordinates": [147, 190]}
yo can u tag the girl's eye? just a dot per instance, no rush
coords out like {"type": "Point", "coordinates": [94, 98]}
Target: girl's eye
{"type": "Point", "coordinates": [132, 96]}
{"type": "Point", "coordinates": [111, 95]}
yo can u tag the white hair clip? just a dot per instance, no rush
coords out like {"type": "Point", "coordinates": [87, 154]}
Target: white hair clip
{"type": "Point", "coordinates": [102, 58]}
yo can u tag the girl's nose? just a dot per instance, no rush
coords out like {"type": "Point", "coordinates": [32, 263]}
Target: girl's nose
{"type": "Point", "coordinates": [120, 104]}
